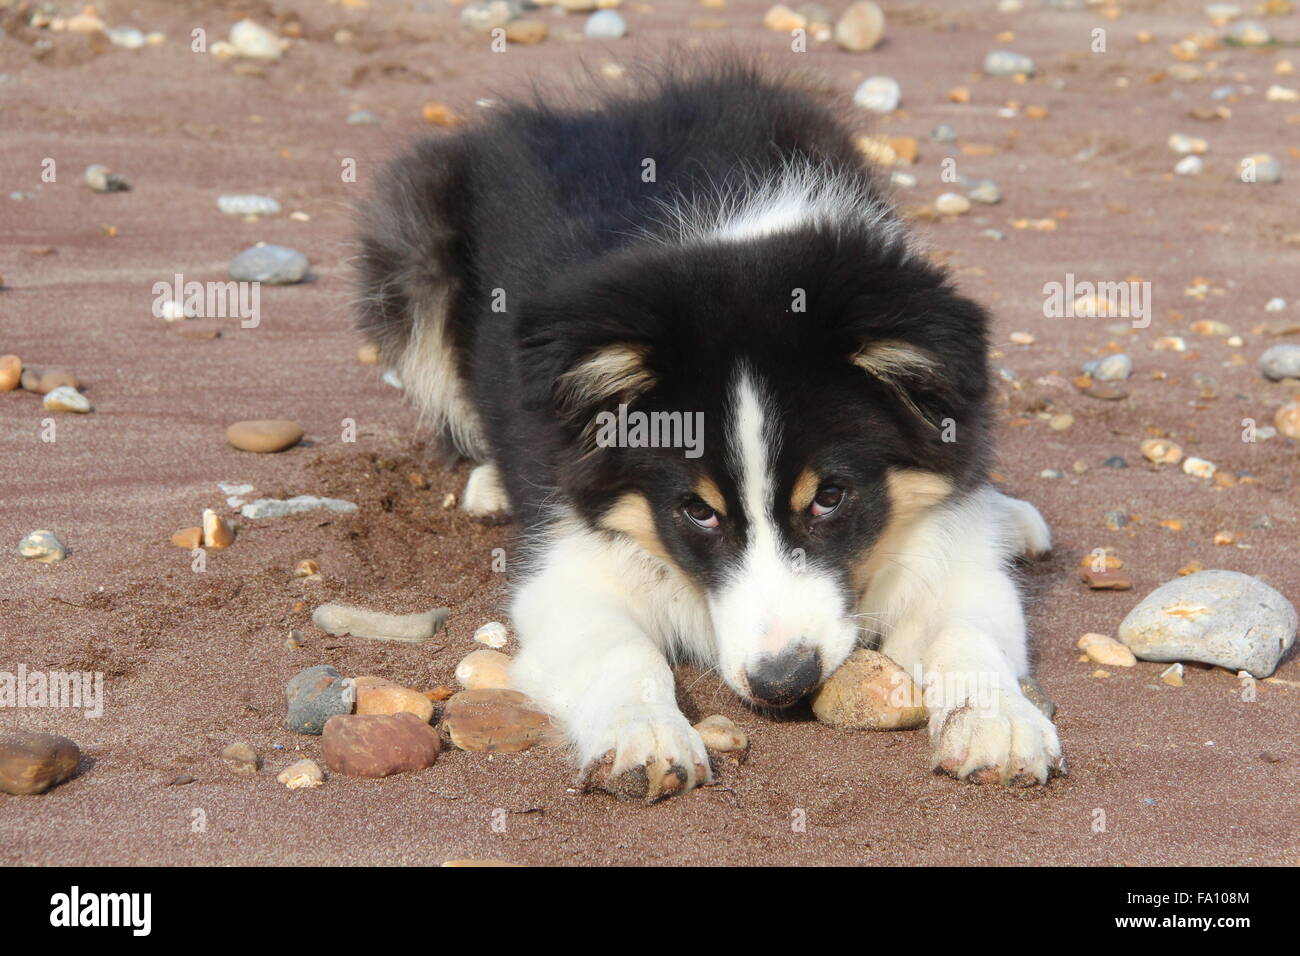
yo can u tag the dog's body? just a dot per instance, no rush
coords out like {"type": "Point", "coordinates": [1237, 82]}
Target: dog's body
{"type": "Point", "coordinates": [715, 251]}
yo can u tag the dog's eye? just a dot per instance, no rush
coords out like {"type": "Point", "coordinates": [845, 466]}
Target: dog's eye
{"type": "Point", "coordinates": [704, 516]}
{"type": "Point", "coordinates": [827, 500]}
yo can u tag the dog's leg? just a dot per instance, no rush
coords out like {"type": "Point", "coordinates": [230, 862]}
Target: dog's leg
{"type": "Point", "coordinates": [963, 629]}
{"type": "Point", "coordinates": [484, 495]}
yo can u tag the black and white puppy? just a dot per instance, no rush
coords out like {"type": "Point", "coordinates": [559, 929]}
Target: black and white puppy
{"type": "Point", "coordinates": [739, 418]}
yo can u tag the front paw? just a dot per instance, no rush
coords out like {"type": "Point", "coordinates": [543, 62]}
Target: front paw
{"type": "Point", "coordinates": [1011, 742]}
{"type": "Point", "coordinates": [651, 755]}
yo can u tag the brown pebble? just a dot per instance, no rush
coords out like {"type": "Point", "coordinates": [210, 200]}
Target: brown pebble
{"type": "Point", "coordinates": [870, 692]}
{"type": "Point", "coordinates": [526, 31]}
{"type": "Point", "coordinates": [305, 568]}
{"type": "Point", "coordinates": [368, 354]}
{"type": "Point", "coordinates": [44, 381]}
{"type": "Point", "coordinates": [439, 114]}
{"type": "Point", "coordinates": [265, 436]}
{"type": "Point", "coordinates": [11, 372]}
{"type": "Point", "coordinates": [440, 693]}
{"type": "Point", "coordinates": [493, 720]}
{"type": "Point", "coordinates": [378, 695]}
{"type": "Point", "coordinates": [375, 745]}
{"type": "Point", "coordinates": [33, 763]}
{"type": "Point", "coordinates": [1287, 420]}
{"type": "Point", "coordinates": [188, 538]}
{"type": "Point", "coordinates": [1105, 580]}
{"type": "Point", "coordinates": [217, 532]}
{"type": "Point", "coordinates": [241, 758]}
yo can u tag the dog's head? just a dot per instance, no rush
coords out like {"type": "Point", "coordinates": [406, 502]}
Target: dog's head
{"type": "Point", "coordinates": [817, 390]}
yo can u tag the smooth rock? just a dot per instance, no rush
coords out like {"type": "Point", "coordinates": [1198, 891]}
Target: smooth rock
{"type": "Point", "coordinates": [484, 670]}
{"type": "Point", "coordinates": [1248, 33]}
{"type": "Point", "coordinates": [274, 265]}
{"type": "Point", "coordinates": [66, 399]}
{"type": "Point", "coordinates": [279, 508]}
{"type": "Point", "coordinates": [1215, 617]}
{"type": "Point", "coordinates": [256, 41]}
{"type": "Point", "coordinates": [188, 538]}
{"type": "Point", "coordinates": [303, 774]}
{"type": "Point", "coordinates": [314, 696]}
{"type": "Point", "coordinates": [1112, 368]}
{"type": "Point", "coordinates": [102, 180]}
{"type": "Point", "coordinates": [340, 619]}
{"type": "Point", "coordinates": [721, 733]}
{"type": "Point", "coordinates": [880, 94]}
{"type": "Point", "coordinates": [1184, 145]}
{"type": "Point", "coordinates": [1280, 362]}
{"type": "Point", "coordinates": [1106, 650]}
{"type": "Point", "coordinates": [33, 763]}
{"type": "Point", "coordinates": [486, 17]}
{"type": "Point", "coordinates": [1105, 580]}
{"type": "Point", "coordinates": [129, 38]}
{"type": "Point", "coordinates": [264, 436]}
{"type": "Point", "coordinates": [378, 695]}
{"type": "Point", "coordinates": [605, 25]}
{"type": "Point", "coordinates": [952, 204]}
{"type": "Point", "coordinates": [870, 692]}
{"type": "Point", "coordinates": [494, 720]}
{"type": "Point", "coordinates": [986, 192]}
{"type": "Point", "coordinates": [1006, 63]}
{"type": "Point", "coordinates": [493, 634]}
{"type": "Point", "coordinates": [1161, 451]}
{"type": "Point", "coordinates": [42, 546]}
{"type": "Point", "coordinates": [217, 532]}
{"type": "Point", "coordinates": [241, 758]}
{"type": "Point", "coordinates": [526, 32]}
{"type": "Point", "coordinates": [11, 372]}
{"type": "Point", "coordinates": [1189, 166]}
{"type": "Point", "coordinates": [860, 27]}
{"type": "Point", "coordinates": [377, 745]}
{"type": "Point", "coordinates": [1287, 420]}
{"type": "Point", "coordinates": [248, 205]}
{"type": "Point", "coordinates": [43, 381]}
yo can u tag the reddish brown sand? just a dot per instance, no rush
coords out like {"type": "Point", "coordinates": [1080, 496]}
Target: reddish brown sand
{"type": "Point", "coordinates": [194, 661]}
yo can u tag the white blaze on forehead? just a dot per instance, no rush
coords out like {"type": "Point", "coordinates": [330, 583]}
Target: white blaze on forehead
{"type": "Point", "coordinates": [755, 440]}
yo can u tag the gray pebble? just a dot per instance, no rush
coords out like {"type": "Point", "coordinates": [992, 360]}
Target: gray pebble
{"type": "Point", "coordinates": [986, 191]}
{"type": "Point", "coordinates": [1248, 33]}
{"type": "Point", "coordinates": [43, 546]}
{"type": "Point", "coordinates": [1112, 368]}
{"type": "Point", "coordinates": [943, 134]}
{"type": "Point", "coordinates": [274, 265]}
{"type": "Point", "coordinates": [1116, 520]}
{"type": "Point", "coordinates": [1006, 63]}
{"type": "Point", "coordinates": [1215, 617]}
{"type": "Point", "coordinates": [1279, 362]}
{"type": "Point", "coordinates": [314, 696]}
{"type": "Point", "coordinates": [279, 508]}
{"type": "Point", "coordinates": [605, 25]}
{"type": "Point", "coordinates": [1115, 461]}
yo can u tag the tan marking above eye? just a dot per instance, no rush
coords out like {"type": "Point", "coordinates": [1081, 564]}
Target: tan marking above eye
{"type": "Point", "coordinates": [805, 490]}
{"type": "Point", "coordinates": [711, 494]}
{"type": "Point", "coordinates": [912, 492]}
{"type": "Point", "coordinates": [631, 516]}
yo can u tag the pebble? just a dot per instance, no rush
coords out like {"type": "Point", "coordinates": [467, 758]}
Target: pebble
{"type": "Point", "coordinates": [880, 94]}
{"type": "Point", "coordinates": [1059, 423]}
{"type": "Point", "coordinates": [256, 42]}
{"type": "Point", "coordinates": [721, 733]}
{"type": "Point", "coordinates": [1184, 145]}
{"type": "Point", "coordinates": [1287, 420]}
{"type": "Point", "coordinates": [280, 508]}
{"type": "Point", "coordinates": [605, 25]}
{"type": "Point", "coordinates": [363, 118]}
{"type": "Point", "coordinates": [1006, 63]}
{"type": "Point", "coordinates": [526, 32]}
{"type": "Point", "coordinates": [1281, 94]}
{"type": "Point", "coordinates": [129, 38]}
{"type": "Point", "coordinates": [1189, 166]}
{"type": "Point", "coordinates": [217, 532]}
{"type": "Point", "coordinates": [1115, 461]}
{"type": "Point", "coordinates": [987, 192]}
{"type": "Point", "coordinates": [1199, 467]}
{"type": "Point", "coordinates": [1280, 362]}
{"type": "Point", "coordinates": [1259, 168]}
{"type": "Point", "coordinates": [378, 695]}
{"type": "Point", "coordinates": [1275, 304]}
{"type": "Point", "coordinates": [368, 354]}
{"type": "Point", "coordinates": [274, 265]}
{"type": "Point", "coordinates": [943, 133]}
{"type": "Point", "coordinates": [1115, 520]}
{"type": "Point", "coordinates": [42, 546]}
{"type": "Point", "coordinates": [493, 634]}
{"type": "Point", "coordinates": [314, 696]}
{"type": "Point", "coordinates": [1248, 33]}
{"type": "Point", "coordinates": [303, 774]}
{"type": "Point", "coordinates": [43, 381]}
{"type": "Point", "coordinates": [869, 692]}
{"type": "Point", "coordinates": [486, 17]}
{"type": "Point", "coordinates": [66, 399]}
{"type": "Point", "coordinates": [102, 180]}
{"type": "Point", "coordinates": [860, 27]}
{"type": "Point", "coordinates": [248, 205]}
{"type": "Point", "coordinates": [379, 745]}
{"type": "Point", "coordinates": [264, 436]}
{"type": "Point", "coordinates": [784, 20]}
{"type": "Point", "coordinates": [952, 204]}
{"type": "Point", "coordinates": [1215, 617]}
{"type": "Point", "coordinates": [241, 758]}
{"type": "Point", "coordinates": [1161, 451]}
{"type": "Point", "coordinates": [1172, 675]}
{"type": "Point", "coordinates": [340, 619]}
{"type": "Point", "coordinates": [188, 538]}
{"type": "Point", "coordinates": [306, 568]}
{"type": "Point", "coordinates": [1112, 368]}
{"type": "Point", "coordinates": [1021, 338]}
{"type": "Point", "coordinates": [484, 670]}
{"type": "Point", "coordinates": [1104, 649]}
{"type": "Point", "coordinates": [1034, 692]}
{"type": "Point", "coordinates": [1105, 580]}
{"type": "Point", "coordinates": [11, 372]}
{"type": "Point", "coordinates": [494, 721]}
{"type": "Point", "coordinates": [33, 763]}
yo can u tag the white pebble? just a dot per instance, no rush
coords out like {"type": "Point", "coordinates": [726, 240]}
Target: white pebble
{"type": "Point", "coordinates": [493, 634]}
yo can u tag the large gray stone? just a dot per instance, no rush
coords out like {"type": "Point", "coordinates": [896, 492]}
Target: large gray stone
{"type": "Point", "coordinates": [1215, 617]}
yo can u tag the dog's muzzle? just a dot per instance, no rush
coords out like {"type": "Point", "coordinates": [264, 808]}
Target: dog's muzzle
{"type": "Point", "coordinates": [789, 676]}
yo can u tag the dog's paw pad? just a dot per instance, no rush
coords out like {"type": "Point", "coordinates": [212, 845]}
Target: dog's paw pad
{"type": "Point", "coordinates": [1010, 743]}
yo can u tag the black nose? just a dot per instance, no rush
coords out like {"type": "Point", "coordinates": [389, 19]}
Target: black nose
{"type": "Point", "coordinates": [781, 680]}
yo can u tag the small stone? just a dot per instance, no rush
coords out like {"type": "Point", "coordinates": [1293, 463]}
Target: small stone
{"type": "Point", "coordinates": [526, 32]}
{"type": "Point", "coordinates": [1275, 304]}
{"type": "Point", "coordinates": [377, 745]}
{"type": "Point", "coordinates": [264, 436]}
{"type": "Point", "coordinates": [987, 192]}
{"type": "Point", "coordinates": [340, 619]}
{"type": "Point", "coordinates": [102, 180]}
{"type": "Point", "coordinates": [860, 27]}
{"type": "Point", "coordinates": [784, 20]}
{"type": "Point", "coordinates": [1280, 362]}
{"type": "Point", "coordinates": [1287, 420]}
{"type": "Point", "coordinates": [721, 734]}
{"type": "Point", "coordinates": [1022, 338]}
{"type": "Point", "coordinates": [1115, 461]}
{"type": "Point", "coordinates": [273, 265]}
{"type": "Point", "coordinates": [66, 399]}
{"type": "Point", "coordinates": [1115, 520]}
{"type": "Point", "coordinates": [1105, 580]}
{"type": "Point", "coordinates": [493, 634]}
{"type": "Point", "coordinates": [314, 696]}
{"type": "Point", "coordinates": [1185, 145]}
{"type": "Point", "coordinates": [44, 381]}
{"type": "Point", "coordinates": [870, 692]}
{"type": "Point", "coordinates": [1112, 368]}
{"type": "Point", "coordinates": [1104, 649]}
{"type": "Point", "coordinates": [484, 670]}
{"type": "Point", "coordinates": [256, 42]}
{"type": "Point", "coordinates": [952, 204]}
{"type": "Point", "coordinates": [188, 538]}
{"type": "Point", "coordinates": [377, 695]}
{"type": "Point", "coordinates": [363, 118]}
{"type": "Point", "coordinates": [605, 25]}
{"type": "Point", "coordinates": [303, 774]}
{"type": "Point", "coordinates": [1215, 617]}
{"type": "Point", "coordinates": [368, 354]}
{"type": "Point", "coordinates": [1248, 33]}
{"type": "Point", "coordinates": [1161, 451]}
{"type": "Point", "coordinates": [1189, 166]}
{"type": "Point", "coordinates": [33, 763]}
{"type": "Point", "coordinates": [1051, 474]}
{"type": "Point", "coordinates": [1006, 63]}
{"type": "Point", "coordinates": [1034, 692]}
{"type": "Point", "coordinates": [1059, 423]}
{"type": "Point", "coordinates": [880, 94]}
{"type": "Point", "coordinates": [278, 508]}
{"type": "Point", "coordinates": [494, 721]}
{"type": "Point", "coordinates": [486, 17]}
{"type": "Point", "coordinates": [306, 568]}
{"type": "Point", "coordinates": [217, 532]}
{"type": "Point", "coordinates": [248, 205]}
{"type": "Point", "coordinates": [1172, 675]}
{"type": "Point", "coordinates": [129, 38]}
{"type": "Point", "coordinates": [241, 758]}
{"type": "Point", "coordinates": [1281, 94]}
{"type": "Point", "coordinates": [42, 546]}
{"type": "Point", "coordinates": [1259, 168]}
{"type": "Point", "coordinates": [11, 372]}
{"type": "Point", "coordinates": [1199, 467]}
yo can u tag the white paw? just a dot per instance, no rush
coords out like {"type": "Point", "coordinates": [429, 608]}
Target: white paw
{"type": "Point", "coordinates": [1029, 532]}
{"type": "Point", "coordinates": [484, 496]}
{"type": "Point", "coordinates": [649, 754]}
{"type": "Point", "coordinates": [1011, 742]}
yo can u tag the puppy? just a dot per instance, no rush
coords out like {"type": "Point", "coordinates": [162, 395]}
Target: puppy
{"type": "Point", "coordinates": [738, 417]}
